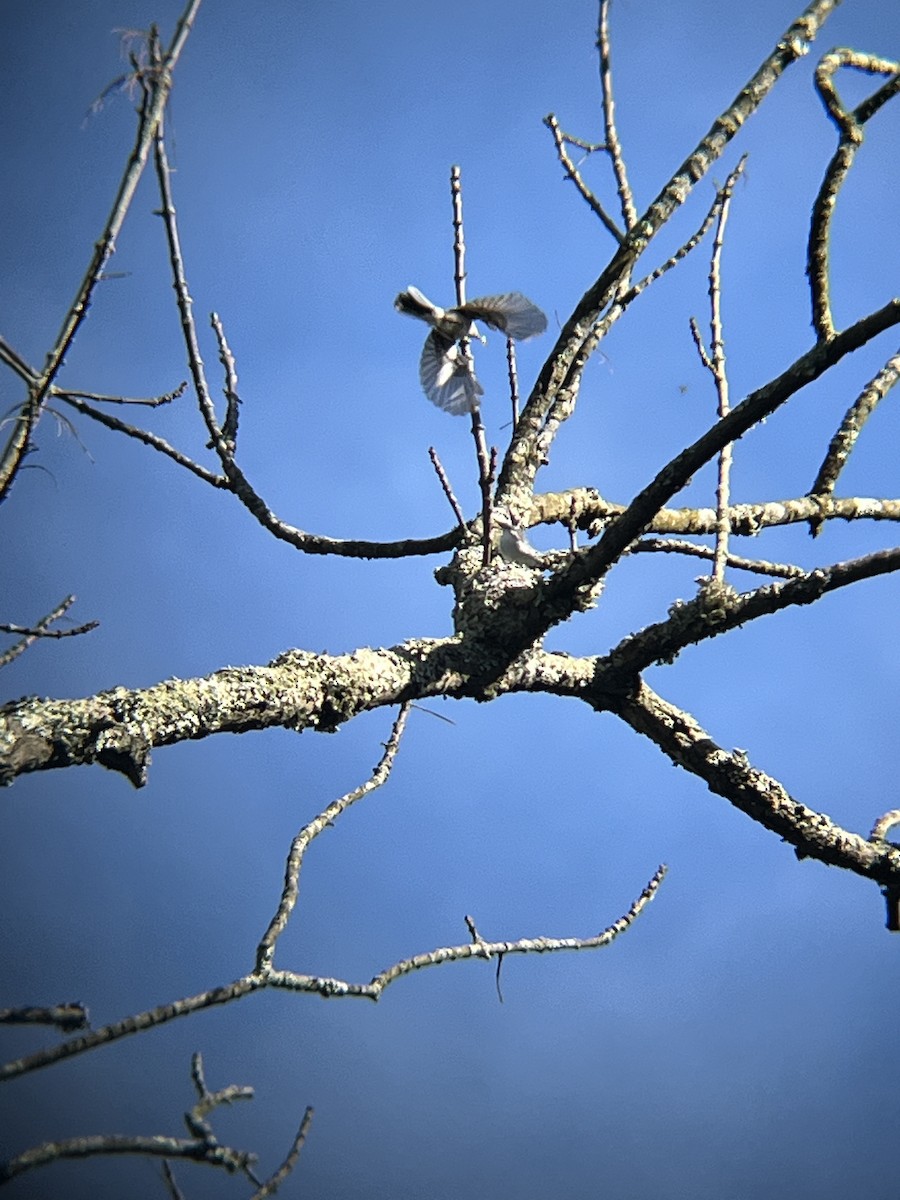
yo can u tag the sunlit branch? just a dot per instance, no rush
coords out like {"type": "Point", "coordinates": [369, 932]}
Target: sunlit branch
{"type": "Point", "coordinates": [730, 774]}
{"type": "Point", "coordinates": [593, 514]}
{"type": "Point", "coordinates": [716, 612]}
{"type": "Point", "coordinates": [851, 135]}
{"type": "Point", "coordinates": [851, 427]}
{"type": "Point", "coordinates": [714, 361]}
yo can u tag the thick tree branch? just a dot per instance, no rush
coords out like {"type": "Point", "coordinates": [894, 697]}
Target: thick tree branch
{"type": "Point", "coordinates": [729, 774]}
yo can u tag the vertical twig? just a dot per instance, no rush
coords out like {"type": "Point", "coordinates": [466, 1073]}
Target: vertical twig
{"type": "Point", "coordinates": [715, 363]}
{"type": "Point", "coordinates": [613, 145]}
{"type": "Point", "coordinates": [513, 379]}
{"type": "Point", "coordinates": [720, 374]}
{"type": "Point", "coordinates": [481, 450]}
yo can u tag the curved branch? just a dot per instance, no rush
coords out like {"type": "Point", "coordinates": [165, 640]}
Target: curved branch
{"type": "Point", "coordinates": [325, 986]}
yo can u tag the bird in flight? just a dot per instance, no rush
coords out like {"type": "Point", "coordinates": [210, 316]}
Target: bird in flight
{"type": "Point", "coordinates": [445, 369]}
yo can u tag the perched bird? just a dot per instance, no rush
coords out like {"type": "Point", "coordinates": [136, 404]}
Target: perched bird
{"type": "Point", "coordinates": [445, 371]}
{"type": "Point", "coordinates": [514, 545]}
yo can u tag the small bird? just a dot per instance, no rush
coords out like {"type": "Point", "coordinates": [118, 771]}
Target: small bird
{"type": "Point", "coordinates": [445, 370]}
{"type": "Point", "coordinates": [514, 545]}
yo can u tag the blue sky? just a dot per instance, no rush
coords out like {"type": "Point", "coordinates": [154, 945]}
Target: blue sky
{"type": "Point", "coordinates": [741, 1038]}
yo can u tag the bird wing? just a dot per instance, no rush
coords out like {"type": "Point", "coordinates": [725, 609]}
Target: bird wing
{"type": "Point", "coordinates": [447, 377]}
{"type": "Point", "coordinates": [511, 313]}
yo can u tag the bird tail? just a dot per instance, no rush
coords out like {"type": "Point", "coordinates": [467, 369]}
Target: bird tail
{"type": "Point", "coordinates": [414, 304]}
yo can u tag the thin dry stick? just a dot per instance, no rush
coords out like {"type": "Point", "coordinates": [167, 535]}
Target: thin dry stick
{"type": "Point", "coordinates": [66, 1017]}
{"type": "Point", "coordinates": [29, 634]}
{"type": "Point", "coordinates": [76, 400]}
{"type": "Point", "coordinates": [151, 114]}
{"type": "Point", "coordinates": [153, 1146]}
{"type": "Point", "coordinates": [322, 986]}
{"type": "Point", "coordinates": [844, 440]}
{"type": "Point", "coordinates": [758, 566]}
{"type": "Point", "coordinates": [613, 145]}
{"type": "Point", "coordinates": [232, 399]}
{"type": "Point", "coordinates": [153, 440]}
{"type": "Point", "coordinates": [561, 140]}
{"type": "Point", "coordinates": [445, 484]}
{"type": "Point", "coordinates": [272, 1184]}
{"type": "Point", "coordinates": [851, 135]}
{"type": "Point", "coordinates": [513, 373]}
{"type": "Point", "coordinates": [141, 401]}
{"type": "Point", "coordinates": [719, 372]}
{"type": "Point", "coordinates": [175, 1192]}
{"type": "Point", "coordinates": [481, 450]}
{"type": "Point", "coordinates": [266, 950]}
{"type": "Point", "coordinates": [203, 1146]}
{"type": "Point", "coordinates": [183, 297]}
{"type": "Point", "coordinates": [540, 945]}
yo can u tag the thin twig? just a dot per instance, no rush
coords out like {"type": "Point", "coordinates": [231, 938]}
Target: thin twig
{"type": "Point", "coordinates": [716, 363]}
{"type": "Point", "coordinates": [560, 140]}
{"type": "Point", "coordinates": [512, 371]}
{"type": "Point", "coordinates": [153, 440]}
{"type": "Point", "coordinates": [445, 485]}
{"type": "Point", "coordinates": [844, 440]}
{"type": "Point", "coordinates": [66, 1017]}
{"type": "Point", "coordinates": [156, 96]}
{"type": "Point", "coordinates": [232, 399]}
{"type": "Point", "coordinates": [265, 951]}
{"type": "Point", "coordinates": [141, 401]}
{"type": "Point", "coordinates": [613, 145]}
{"type": "Point", "coordinates": [757, 566]}
{"type": "Point", "coordinates": [29, 634]}
{"type": "Point", "coordinates": [272, 1184]}
{"type": "Point", "coordinates": [478, 434]}
{"type": "Point", "coordinates": [183, 296]}
{"type": "Point", "coordinates": [326, 987]}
